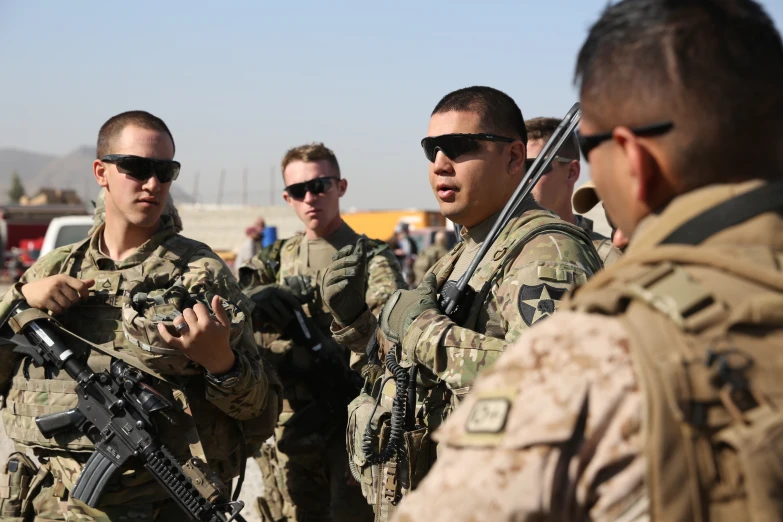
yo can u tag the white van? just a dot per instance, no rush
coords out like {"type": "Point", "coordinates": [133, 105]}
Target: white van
{"type": "Point", "coordinates": [65, 230]}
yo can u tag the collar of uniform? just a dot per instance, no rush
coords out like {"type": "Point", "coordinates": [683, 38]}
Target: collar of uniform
{"type": "Point", "coordinates": [657, 226]}
{"type": "Point", "coordinates": [584, 223]}
{"type": "Point", "coordinates": [344, 235]}
{"type": "Point", "coordinates": [477, 234]}
{"type": "Point", "coordinates": [104, 262]}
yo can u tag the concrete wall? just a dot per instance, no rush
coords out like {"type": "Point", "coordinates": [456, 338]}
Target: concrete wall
{"type": "Point", "coordinates": [223, 227]}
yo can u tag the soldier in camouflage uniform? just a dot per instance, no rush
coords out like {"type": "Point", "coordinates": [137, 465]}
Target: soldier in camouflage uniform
{"type": "Point", "coordinates": [532, 263]}
{"type": "Point", "coordinates": [655, 393]}
{"type": "Point", "coordinates": [211, 369]}
{"type": "Point", "coordinates": [555, 189]}
{"type": "Point", "coordinates": [305, 473]}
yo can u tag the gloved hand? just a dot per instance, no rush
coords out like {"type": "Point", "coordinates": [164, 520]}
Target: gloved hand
{"type": "Point", "coordinates": [402, 308]}
{"type": "Point", "coordinates": [345, 283]}
{"type": "Point", "coordinates": [300, 286]}
{"type": "Point", "coordinates": [274, 306]}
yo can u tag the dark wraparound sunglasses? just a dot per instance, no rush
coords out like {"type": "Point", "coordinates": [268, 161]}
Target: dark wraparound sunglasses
{"type": "Point", "coordinates": [143, 169]}
{"type": "Point", "coordinates": [455, 145]}
{"type": "Point", "coordinates": [548, 169]}
{"type": "Point", "coordinates": [314, 186]}
{"type": "Point", "coordinates": [589, 142]}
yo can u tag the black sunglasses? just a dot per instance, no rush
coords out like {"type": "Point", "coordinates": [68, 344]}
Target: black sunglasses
{"type": "Point", "coordinates": [143, 169]}
{"type": "Point", "coordinates": [314, 186]}
{"type": "Point", "coordinates": [455, 145]}
{"type": "Point", "coordinates": [588, 143]}
{"type": "Point", "coordinates": [548, 169]}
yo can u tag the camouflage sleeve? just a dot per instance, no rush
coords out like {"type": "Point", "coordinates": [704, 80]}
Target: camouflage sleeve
{"type": "Point", "coordinates": [384, 277]}
{"type": "Point", "coordinates": [527, 290]}
{"type": "Point", "coordinates": [608, 253]}
{"type": "Point", "coordinates": [569, 379]}
{"type": "Point", "coordinates": [50, 264]}
{"type": "Point", "coordinates": [246, 399]}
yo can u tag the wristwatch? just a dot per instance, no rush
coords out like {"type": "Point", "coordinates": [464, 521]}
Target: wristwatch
{"type": "Point", "coordinates": [228, 379]}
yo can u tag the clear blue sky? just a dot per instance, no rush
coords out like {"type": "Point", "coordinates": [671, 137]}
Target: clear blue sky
{"type": "Point", "coordinates": [240, 82]}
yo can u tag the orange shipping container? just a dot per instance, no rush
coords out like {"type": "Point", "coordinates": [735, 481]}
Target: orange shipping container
{"type": "Point", "coordinates": [379, 224]}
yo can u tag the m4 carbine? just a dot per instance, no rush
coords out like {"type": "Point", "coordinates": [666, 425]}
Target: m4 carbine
{"type": "Point", "coordinates": [115, 412]}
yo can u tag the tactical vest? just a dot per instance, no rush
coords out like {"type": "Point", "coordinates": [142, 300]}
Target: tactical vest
{"type": "Point", "coordinates": [192, 426]}
{"type": "Point", "coordinates": [384, 484]}
{"type": "Point", "coordinates": [707, 334]}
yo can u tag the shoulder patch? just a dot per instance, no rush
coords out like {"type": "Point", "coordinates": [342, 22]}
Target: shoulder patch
{"type": "Point", "coordinates": [537, 302]}
{"type": "Point", "coordinates": [488, 415]}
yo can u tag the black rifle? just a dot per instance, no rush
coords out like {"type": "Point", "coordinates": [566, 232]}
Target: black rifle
{"type": "Point", "coordinates": [455, 299]}
{"type": "Point", "coordinates": [331, 381]}
{"type": "Point", "coordinates": [114, 412]}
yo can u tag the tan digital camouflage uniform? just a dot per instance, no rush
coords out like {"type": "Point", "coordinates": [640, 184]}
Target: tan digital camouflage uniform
{"type": "Point", "coordinates": [616, 410]}
{"type": "Point", "coordinates": [313, 484]}
{"type": "Point", "coordinates": [218, 414]}
{"type": "Point", "coordinates": [606, 250]}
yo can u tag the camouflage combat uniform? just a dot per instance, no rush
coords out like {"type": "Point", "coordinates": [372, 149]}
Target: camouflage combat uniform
{"type": "Point", "coordinates": [606, 250]}
{"type": "Point", "coordinates": [206, 420]}
{"type": "Point", "coordinates": [533, 262]}
{"type": "Point", "coordinates": [655, 395]}
{"type": "Point", "coordinates": [313, 483]}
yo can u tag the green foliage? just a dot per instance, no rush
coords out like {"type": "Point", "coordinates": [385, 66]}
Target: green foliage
{"type": "Point", "coordinates": [16, 191]}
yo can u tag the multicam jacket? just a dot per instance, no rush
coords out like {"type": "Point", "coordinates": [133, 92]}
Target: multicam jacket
{"type": "Point", "coordinates": [289, 257]}
{"type": "Point", "coordinates": [603, 245]}
{"type": "Point", "coordinates": [530, 266]}
{"type": "Point", "coordinates": [218, 413]}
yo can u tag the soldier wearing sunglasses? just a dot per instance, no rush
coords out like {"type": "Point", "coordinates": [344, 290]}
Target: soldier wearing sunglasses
{"type": "Point", "coordinates": [655, 393]}
{"type": "Point", "coordinates": [476, 146]}
{"type": "Point", "coordinates": [305, 471]}
{"type": "Point", "coordinates": [555, 189]}
{"type": "Point", "coordinates": [134, 242]}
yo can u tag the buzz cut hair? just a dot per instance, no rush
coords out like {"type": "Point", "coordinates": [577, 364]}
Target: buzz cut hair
{"type": "Point", "coordinates": [498, 111]}
{"type": "Point", "coordinates": [114, 126]}
{"type": "Point", "coordinates": [311, 152]}
{"type": "Point", "coordinates": [543, 128]}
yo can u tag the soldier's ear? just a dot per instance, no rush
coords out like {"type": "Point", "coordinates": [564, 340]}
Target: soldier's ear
{"type": "Point", "coordinates": [516, 160]}
{"type": "Point", "coordinates": [342, 186]}
{"type": "Point", "coordinates": [99, 171]}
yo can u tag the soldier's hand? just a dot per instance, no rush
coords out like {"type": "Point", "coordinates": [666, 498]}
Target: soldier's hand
{"type": "Point", "coordinates": [204, 339]}
{"type": "Point", "coordinates": [275, 306]}
{"type": "Point", "coordinates": [345, 283]}
{"type": "Point", "coordinates": [56, 293]}
{"type": "Point", "coordinates": [404, 306]}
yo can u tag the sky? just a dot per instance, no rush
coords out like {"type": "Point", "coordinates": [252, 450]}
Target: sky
{"type": "Point", "coordinates": [240, 82]}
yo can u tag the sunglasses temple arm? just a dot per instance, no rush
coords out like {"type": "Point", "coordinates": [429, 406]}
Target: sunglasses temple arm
{"type": "Point", "coordinates": [451, 305]}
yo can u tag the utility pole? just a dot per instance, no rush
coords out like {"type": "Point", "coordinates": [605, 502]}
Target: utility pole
{"type": "Point", "coordinates": [244, 187]}
{"type": "Point", "coordinates": [272, 185]}
{"type": "Point", "coordinates": [220, 187]}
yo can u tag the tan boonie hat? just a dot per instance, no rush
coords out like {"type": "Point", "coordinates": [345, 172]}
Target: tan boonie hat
{"type": "Point", "coordinates": [585, 198]}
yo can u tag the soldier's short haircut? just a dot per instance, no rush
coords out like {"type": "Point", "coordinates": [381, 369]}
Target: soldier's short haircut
{"type": "Point", "coordinates": [712, 67]}
{"type": "Point", "coordinates": [498, 111]}
{"type": "Point", "coordinates": [543, 128]}
{"type": "Point", "coordinates": [114, 126]}
{"type": "Point", "coordinates": [310, 153]}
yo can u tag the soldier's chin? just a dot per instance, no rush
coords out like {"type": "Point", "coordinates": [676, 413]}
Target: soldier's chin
{"type": "Point", "coordinates": [146, 220]}
{"type": "Point", "coordinates": [453, 211]}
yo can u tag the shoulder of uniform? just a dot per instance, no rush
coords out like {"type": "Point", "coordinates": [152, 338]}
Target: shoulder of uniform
{"type": "Point", "coordinates": [53, 261]}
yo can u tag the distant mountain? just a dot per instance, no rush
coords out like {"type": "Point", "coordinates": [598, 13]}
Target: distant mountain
{"type": "Point", "coordinates": [74, 171]}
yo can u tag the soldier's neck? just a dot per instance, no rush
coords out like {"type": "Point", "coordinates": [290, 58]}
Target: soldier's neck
{"type": "Point", "coordinates": [326, 231]}
{"type": "Point", "coordinates": [121, 239]}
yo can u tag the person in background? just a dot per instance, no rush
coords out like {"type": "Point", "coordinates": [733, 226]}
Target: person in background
{"type": "Point", "coordinates": [429, 256]}
{"type": "Point", "coordinates": [405, 250]}
{"type": "Point", "coordinates": [555, 188]}
{"type": "Point", "coordinates": [251, 246]}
